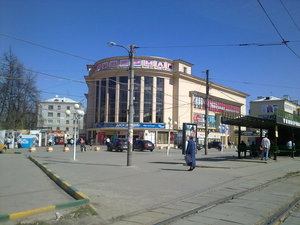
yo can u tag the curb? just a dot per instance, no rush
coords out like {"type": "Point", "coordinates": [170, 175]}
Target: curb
{"type": "Point", "coordinates": [10, 152]}
{"type": "Point", "coordinates": [19, 215]}
{"type": "Point", "coordinates": [81, 199]}
{"type": "Point", "coordinates": [72, 191]}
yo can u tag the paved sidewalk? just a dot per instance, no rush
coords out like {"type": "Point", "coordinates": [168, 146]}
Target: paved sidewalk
{"type": "Point", "coordinates": [155, 179]}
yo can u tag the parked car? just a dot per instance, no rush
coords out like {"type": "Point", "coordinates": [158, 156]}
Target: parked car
{"type": "Point", "coordinates": [199, 146]}
{"type": "Point", "coordinates": [119, 144]}
{"type": "Point", "coordinates": [215, 144]}
{"type": "Point", "coordinates": [143, 145]}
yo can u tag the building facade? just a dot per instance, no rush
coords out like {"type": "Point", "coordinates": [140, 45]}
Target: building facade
{"type": "Point", "coordinates": [266, 107]}
{"type": "Point", "coordinates": [166, 95]}
{"type": "Point", "coordinates": [53, 119]}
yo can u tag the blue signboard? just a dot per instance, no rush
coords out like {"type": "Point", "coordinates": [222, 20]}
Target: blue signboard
{"type": "Point", "coordinates": [135, 125]}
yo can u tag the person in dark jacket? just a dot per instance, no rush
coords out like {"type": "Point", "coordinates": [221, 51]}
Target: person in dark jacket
{"type": "Point", "coordinates": [191, 150]}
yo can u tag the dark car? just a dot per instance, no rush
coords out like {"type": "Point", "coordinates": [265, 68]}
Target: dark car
{"type": "Point", "coordinates": [143, 145]}
{"type": "Point", "coordinates": [118, 145]}
{"type": "Point", "coordinates": [215, 144]}
{"type": "Point", "coordinates": [199, 146]}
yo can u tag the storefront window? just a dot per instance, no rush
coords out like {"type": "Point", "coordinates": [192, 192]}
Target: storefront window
{"type": "Point", "coordinates": [159, 100]}
{"type": "Point", "coordinates": [162, 138]}
{"type": "Point", "coordinates": [148, 99]}
{"type": "Point", "coordinates": [123, 99]}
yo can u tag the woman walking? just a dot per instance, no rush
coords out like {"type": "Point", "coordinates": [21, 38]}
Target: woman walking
{"type": "Point", "coordinates": [191, 153]}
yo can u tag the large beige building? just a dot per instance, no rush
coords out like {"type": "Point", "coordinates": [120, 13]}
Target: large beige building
{"type": "Point", "coordinates": [166, 95]}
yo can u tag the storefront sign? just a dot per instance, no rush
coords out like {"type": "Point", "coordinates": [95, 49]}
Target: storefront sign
{"type": "Point", "coordinates": [135, 125]}
{"type": "Point", "coordinates": [152, 64]}
{"type": "Point", "coordinates": [199, 119]}
{"type": "Point", "coordinates": [215, 106]}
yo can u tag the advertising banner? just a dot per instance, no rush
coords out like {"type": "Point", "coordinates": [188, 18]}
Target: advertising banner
{"type": "Point", "coordinates": [189, 129]}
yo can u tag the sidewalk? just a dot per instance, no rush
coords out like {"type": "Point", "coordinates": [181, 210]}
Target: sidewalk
{"type": "Point", "coordinates": [155, 179]}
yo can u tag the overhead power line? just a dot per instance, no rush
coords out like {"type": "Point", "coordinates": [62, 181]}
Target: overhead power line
{"type": "Point", "coordinates": [46, 47]}
{"type": "Point", "coordinates": [279, 34]}
{"type": "Point", "coordinates": [222, 45]}
{"type": "Point", "coordinates": [294, 22]}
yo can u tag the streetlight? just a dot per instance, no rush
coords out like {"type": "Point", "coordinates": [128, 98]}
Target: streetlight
{"type": "Point", "coordinates": [77, 115]}
{"type": "Point", "coordinates": [130, 51]}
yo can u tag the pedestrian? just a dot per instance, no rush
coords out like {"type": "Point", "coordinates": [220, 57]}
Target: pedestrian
{"type": "Point", "coordinates": [191, 153]}
{"type": "Point", "coordinates": [50, 142]}
{"type": "Point", "coordinates": [265, 144]}
{"type": "Point", "coordinates": [289, 145]}
{"type": "Point", "coordinates": [82, 145]}
{"type": "Point", "coordinates": [72, 141]}
{"type": "Point", "coordinates": [107, 141]}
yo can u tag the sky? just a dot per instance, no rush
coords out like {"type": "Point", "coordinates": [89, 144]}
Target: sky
{"type": "Point", "coordinates": [206, 33]}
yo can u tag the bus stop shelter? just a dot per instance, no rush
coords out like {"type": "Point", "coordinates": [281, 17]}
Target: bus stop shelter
{"type": "Point", "coordinates": [281, 128]}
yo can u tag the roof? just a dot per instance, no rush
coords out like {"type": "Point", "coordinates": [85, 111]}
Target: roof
{"type": "Point", "coordinates": [249, 121]}
{"type": "Point", "coordinates": [263, 99]}
{"type": "Point", "coordinates": [57, 99]}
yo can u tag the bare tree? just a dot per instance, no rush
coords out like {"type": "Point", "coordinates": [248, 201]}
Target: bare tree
{"type": "Point", "coordinates": [18, 95]}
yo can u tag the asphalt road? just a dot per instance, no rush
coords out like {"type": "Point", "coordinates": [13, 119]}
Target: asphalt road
{"type": "Point", "coordinates": [153, 189]}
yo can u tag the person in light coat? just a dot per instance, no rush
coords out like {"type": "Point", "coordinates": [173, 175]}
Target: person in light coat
{"type": "Point", "coordinates": [265, 144]}
{"type": "Point", "coordinates": [191, 150]}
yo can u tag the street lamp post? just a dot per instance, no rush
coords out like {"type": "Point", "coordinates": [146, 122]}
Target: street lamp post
{"type": "Point", "coordinates": [130, 51]}
{"type": "Point", "coordinates": [78, 114]}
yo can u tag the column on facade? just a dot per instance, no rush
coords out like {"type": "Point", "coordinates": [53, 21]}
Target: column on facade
{"type": "Point", "coordinates": [154, 89]}
{"type": "Point", "coordinates": [106, 99]}
{"type": "Point", "coordinates": [142, 99]}
{"type": "Point", "coordinates": [117, 106]}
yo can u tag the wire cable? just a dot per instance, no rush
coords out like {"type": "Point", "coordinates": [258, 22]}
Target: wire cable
{"type": "Point", "coordinates": [46, 47]}
{"type": "Point", "coordinates": [290, 15]}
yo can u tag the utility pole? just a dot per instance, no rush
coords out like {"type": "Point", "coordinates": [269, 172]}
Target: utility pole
{"type": "Point", "coordinates": [130, 119]}
{"type": "Point", "coordinates": [206, 112]}
{"type": "Point", "coordinates": [130, 51]}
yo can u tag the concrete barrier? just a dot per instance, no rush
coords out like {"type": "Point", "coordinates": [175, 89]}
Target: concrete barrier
{"type": "Point", "coordinates": [49, 149]}
{"type": "Point", "coordinates": [32, 149]}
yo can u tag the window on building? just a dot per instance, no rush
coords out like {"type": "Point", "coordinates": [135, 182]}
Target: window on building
{"type": "Point", "coordinates": [148, 88]}
{"type": "Point", "coordinates": [58, 121]}
{"type": "Point", "coordinates": [58, 114]}
{"type": "Point", "coordinates": [137, 98]}
{"type": "Point", "coordinates": [160, 100]}
{"type": "Point", "coordinates": [57, 128]}
{"type": "Point", "coordinates": [97, 102]}
{"type": "Point", "coordinates": [67, 128]}
{"type": "Point", "coordinates": [68, 107]}
{"type": "Point", "coordinates": [123, 99]}
{"type": "Point", "coordinates": [111, 99]}
{"type": "Point", "coordinates": [50, 114]}
{"type": "Point", "coordinates": [59, 107]}
{"type": "Point", "coordinates": [184, 69]}
{"type": "Point", "coordinates": [50, 121]}
{"type": "Point", "coordinates": [102, 101]}
{"type": "Point", "coordinates": [67, 121]}
{"type": "Point", "coordinates": [50, 107]}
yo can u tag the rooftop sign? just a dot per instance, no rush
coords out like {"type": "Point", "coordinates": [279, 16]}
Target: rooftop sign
{"type": "Point", "coordinates": [143, 63]}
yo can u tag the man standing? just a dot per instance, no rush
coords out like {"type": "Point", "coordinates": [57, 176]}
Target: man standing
{"type": "Point", "coordinates": [107, 143]}
{"type": "Point", "coordinates": [265, 144]}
